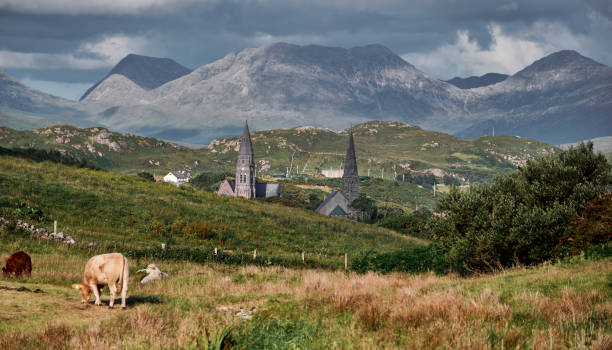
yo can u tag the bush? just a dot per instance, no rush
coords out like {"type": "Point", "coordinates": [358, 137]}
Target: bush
{"type": "Point", "coordinates": [593, 226]}
{"type": "Point", "coordinates": [367, 207]}
{"type": "Point", "coordinates": [413, 225]}
{"type": "Point", "coordinates": [40, 155]}
{"type": "Point", "coordinates": [209, 181]}
{"type": "Point", "coordinates": [146, 176]}
{"type": "Point", "coordinates": [415, 260]}
{"type": "Point", "coordinates": [522, 217]}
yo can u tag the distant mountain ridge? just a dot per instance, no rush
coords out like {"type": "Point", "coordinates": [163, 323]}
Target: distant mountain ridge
{"type": "Point", "coordinates": [561, 98]}
{"type": "Point", "coordinates": [146, 72]}
{"type": "Point", "coordinates": [15, 95]}
{"type": "Point", "coordinates": [475, 82]}
{"type": "Point", "coordinates": [284, 85]}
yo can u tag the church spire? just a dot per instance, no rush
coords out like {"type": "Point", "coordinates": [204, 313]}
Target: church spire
{"type": "Point", "coordinates": [246, 146]}
{"type": "Point", "coordinates": [350, 178]}
{"type": "Point", "coordinates": [245, 166]}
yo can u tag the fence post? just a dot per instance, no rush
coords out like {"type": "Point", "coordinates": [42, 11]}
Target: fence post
{"type": "Point", "coordinates": [54, 227]}
{"type": "Point", "coordinates": [254, 253]}
{"type": "Point", "coordinates": [302, 256]}
{"type": "Point", "coordinates": [215, 251]}
{"type": "Point", "coordinates": [346, 261]}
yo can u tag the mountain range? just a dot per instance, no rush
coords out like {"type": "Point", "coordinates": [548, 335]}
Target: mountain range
{"type": "Point", "coordinates": [561, 98]}
{"type": "Point", "coordinates": [475, 82]}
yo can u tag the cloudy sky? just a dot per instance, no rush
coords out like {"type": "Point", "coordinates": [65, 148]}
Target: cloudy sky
{"type": "Point", "coordinates": [64, 46]}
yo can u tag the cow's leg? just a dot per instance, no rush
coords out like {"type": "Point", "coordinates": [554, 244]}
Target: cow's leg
{"type": "Point", "coordinates": [123, 295]}
{"type": "Point", "coordinates": [124, 284]}
{"type": "Point", "coordinates": [113, 293]}
{"type": "Point", "coordinates": [96, 291]}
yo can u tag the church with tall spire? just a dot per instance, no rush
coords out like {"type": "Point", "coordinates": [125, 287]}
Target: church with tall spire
{"type": "Point", "coordinates": [245, 184]}
{"type": "Point", "coordinates": [338, 203]}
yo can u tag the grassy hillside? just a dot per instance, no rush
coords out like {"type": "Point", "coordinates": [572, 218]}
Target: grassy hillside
{"type": "Point", "coordinates": [384, 149]}
{"type": "Point", "coordinates": [124, 211]}
{"type": "Point", "coordinates": [561, 306]}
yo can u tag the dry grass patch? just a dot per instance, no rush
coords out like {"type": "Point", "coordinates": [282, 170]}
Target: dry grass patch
{"type": "Point", "coordinates": [552, 307]}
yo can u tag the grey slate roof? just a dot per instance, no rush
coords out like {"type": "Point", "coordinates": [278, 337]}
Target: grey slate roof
{"type": "Point", "coordinates": [181, 175]}
{"type": "Point", "coordinates": [262, 190]}
{"type": "Point", "coordinates": [330, 204]}
{"type": "Point", "coordinates": [267, 190]}
{"type": "Point", "coordinates": [233, 184]}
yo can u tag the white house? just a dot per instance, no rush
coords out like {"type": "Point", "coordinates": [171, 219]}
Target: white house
{"type": "Point", "coordinates": [177, 178]}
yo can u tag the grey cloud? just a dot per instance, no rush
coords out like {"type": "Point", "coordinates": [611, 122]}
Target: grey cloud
{"type": "Point", "coordinates": [195, 33]}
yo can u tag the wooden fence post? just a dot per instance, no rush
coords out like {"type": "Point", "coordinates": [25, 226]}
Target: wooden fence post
{"type": "Point", "coordinates": [54, 227]}
{"type": "Point", "coordinates": [346, 261]}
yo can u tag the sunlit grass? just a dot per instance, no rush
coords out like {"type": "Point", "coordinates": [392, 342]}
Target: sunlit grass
{"type": "Point", "coordinates": [562, 306]}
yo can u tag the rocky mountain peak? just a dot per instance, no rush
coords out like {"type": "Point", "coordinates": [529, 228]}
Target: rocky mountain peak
{"type": "Point", "coordinates": [565, 60]}
{"type": "Point", "coordinates": [356, 58]}
{"type": "Point", "coordinates": [146, 72]}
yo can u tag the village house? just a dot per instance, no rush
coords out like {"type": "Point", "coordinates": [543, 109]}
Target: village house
{"type": "Point", "coordinates": [177, 178]}
{"type": "Point", "coordinates": [245, 185]}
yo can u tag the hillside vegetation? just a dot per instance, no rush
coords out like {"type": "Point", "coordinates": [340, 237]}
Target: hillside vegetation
{"type": "Point", "coordinates": [384, 149]}
{"type": "Point", "coordinates": [403, 162]}
{"type": "Point", "coordinates": [126, 212]}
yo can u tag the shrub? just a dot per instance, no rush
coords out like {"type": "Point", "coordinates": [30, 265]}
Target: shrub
{"type": "Point", "coordinates": [209, 181]}
{"type": "Point", "coordinates": [415, 260]}
{"type": "Point", "coordinates": [522, 217]}
{"type": "Point", "coordinates": [146, 176]}
{"type": "Point", "coordinates": [366, 206]}
{"type": "Point", "coordinates": [593, 226]}
{"type": "Point", "coordinates": [412, 225]}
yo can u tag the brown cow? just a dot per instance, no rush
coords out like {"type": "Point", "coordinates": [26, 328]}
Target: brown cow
{"type": "Point", "coordinates": [17, 264]}
{"type": "Point", "coordinates": [106, 269]}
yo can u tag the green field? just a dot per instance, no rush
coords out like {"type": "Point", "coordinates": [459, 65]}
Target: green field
{"type": "Point", "coordinates": [127, 212]}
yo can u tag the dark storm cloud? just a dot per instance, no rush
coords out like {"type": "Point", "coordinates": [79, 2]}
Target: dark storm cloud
{"type": "Point", "coordinates": [195, 33]}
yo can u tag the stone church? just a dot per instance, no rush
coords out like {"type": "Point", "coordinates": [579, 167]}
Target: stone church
{"type": "Point", "coordinates": [337, 203]}
{"type": "Point", "coordinates": [245, 185]}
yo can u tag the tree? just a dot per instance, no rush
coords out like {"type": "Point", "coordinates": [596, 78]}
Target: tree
{"type": "Point", "coordinates": [451, 180]}
{"type": "Point", "coordinates": [366, 206]}
{"type": "Point", "coordinates": [522, 217]}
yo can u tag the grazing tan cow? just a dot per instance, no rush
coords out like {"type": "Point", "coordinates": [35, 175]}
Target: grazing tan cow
{"type": "Point", "coordinates": [105, 269]}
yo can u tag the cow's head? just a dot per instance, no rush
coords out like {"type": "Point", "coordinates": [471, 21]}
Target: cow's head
{"type": "Point", "coordinates": [85, 292]}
